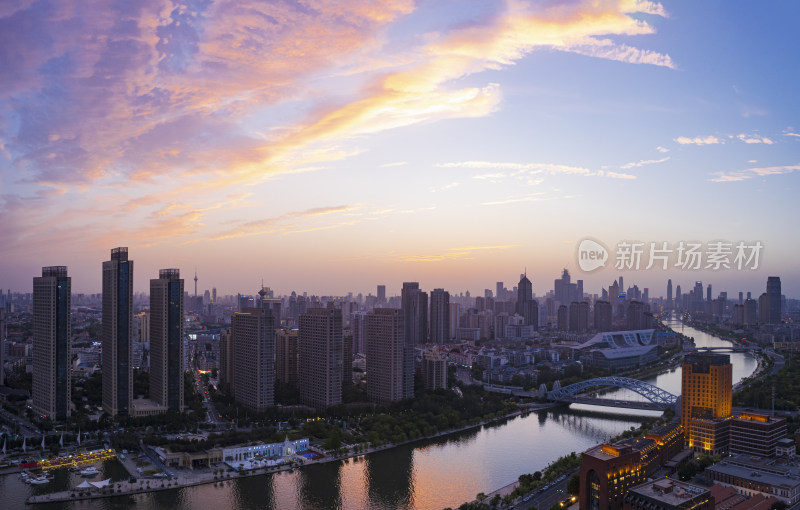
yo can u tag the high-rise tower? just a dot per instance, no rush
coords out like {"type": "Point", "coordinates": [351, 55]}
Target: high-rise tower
{"type": "Point", "coordinates": [440, 316]}
{"type": "Point", "coordinates": [524, 293]}
{"type": "Point", "coordinates": [415, 308]}
{"type": "Point", "coordinates": [387, 355]}
{"type": "Point", "coordinates": [706, 397]}
{"type": "Point", "coordinates": [253, 352]}
{"type": "Point", "coordinates": [3, 332]}
{"type": "Point", "coordinates": [669, 293]}
{"type": "Point", "coordinates": [774, 299]}
{"type": "Point", "coordinates": [51, 343]}
{"type": "Point", "coordinates": [320, 337]}
{"type": "Point", "coordinates": [166, 339]}
{"type": "Point", "coordinates": [116, 330]}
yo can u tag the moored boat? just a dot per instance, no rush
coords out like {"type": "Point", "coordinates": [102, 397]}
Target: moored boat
{"type": "Point", "coordinates": [90, 471]}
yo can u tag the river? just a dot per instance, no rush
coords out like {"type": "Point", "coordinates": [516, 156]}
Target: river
{"type": "Point", "coordinates": [426, 475]}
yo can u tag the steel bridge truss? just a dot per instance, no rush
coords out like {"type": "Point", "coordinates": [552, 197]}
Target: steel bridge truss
{"type": "Point", "coordinates": [654, 394]}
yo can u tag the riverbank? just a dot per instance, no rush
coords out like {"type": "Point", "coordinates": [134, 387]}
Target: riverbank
{"type": "Point", "coordinates": [211, 475]}
{"type": "Point", "coordinates": [671, 365]}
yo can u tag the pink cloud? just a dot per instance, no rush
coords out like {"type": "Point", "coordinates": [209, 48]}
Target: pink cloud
{"type": "Point", "coordinates": [146, 101]}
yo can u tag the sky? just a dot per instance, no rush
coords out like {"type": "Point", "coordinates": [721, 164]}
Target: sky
{"type": "Point", "coordinates": [332, 146]}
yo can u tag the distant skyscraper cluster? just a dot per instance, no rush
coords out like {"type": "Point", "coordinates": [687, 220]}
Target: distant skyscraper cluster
{"type": "Point", "coordinates": [314, 343]}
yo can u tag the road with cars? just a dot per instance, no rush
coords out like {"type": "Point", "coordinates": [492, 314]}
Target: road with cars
{"type": "Point", "coordinates": [212, 415]}
{"type": "Point", "coordinates": [553, 494]}
{"type": "Point", "coordinates": [19, 424]}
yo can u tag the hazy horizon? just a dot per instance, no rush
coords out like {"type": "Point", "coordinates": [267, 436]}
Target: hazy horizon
{"type": "Point", "coordinates": [330, 147]}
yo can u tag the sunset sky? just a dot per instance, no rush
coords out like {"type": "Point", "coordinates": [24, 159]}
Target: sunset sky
{"type": "Point", "coordinates": [331, 146]}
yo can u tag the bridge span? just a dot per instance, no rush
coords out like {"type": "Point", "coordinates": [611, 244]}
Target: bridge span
{"type": "Point", "coordinates": [657, 399]}
{"type": "Point", "coordinates": [732, 348]}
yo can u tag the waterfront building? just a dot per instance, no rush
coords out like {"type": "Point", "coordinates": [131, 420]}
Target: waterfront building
{"type": "Point", "coordinates": [617, 350]}
{"type": "Point", "coordinates": [117, 332]}
{"type": "Point", "coordinates": [234, 455]}
{"type": "Point", "coordinates": [607, 472]}
{"type": "Point", "coordinates": [253, 348]}
{"type": "Point", "coordinates": [52, 386]}
{"type": "Point", "coordinates": [387, 355]}
{"type": "Point", "coordinates": [706, 397]}
{"type": "Point", "coordinates": [320, 337]}
{"type": "Point", "coordinates": [166, 339]}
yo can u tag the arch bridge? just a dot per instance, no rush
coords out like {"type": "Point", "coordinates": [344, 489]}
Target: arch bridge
{"type": "Point", "coordinates": [731, 348]}
{"type": "Point", "coordinates": [657, 399]}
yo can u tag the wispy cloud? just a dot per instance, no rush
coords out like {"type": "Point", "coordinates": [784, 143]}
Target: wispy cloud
{"type": "Point", "coordinates": [644, 162]}
{"type": "Point", "coordinates": [452, 185]}
{"type": "Point", "coordinates": [165, 95]}
{"type": "Point", "coordinates": [742, 175]}
{"type": "Point", "coordinates": [699, 140]}
{"type": "Point", "coordinates": [286, 223]}
{"type": "Point", "coordinates": [524, 170]}
{"type": "Point", "coordinates": [390, 165]}
{"type": "Point", "coordinates": [662, 149]}
{"type": "Point", "coordinates": [616, 175]}
{"type": "Point", "coordinates": [154, 102]}
{"type": "Point", "coordinates": [754, 139]}
{"type": "Point", "coordinates": [533, 197]}
{"type": "Point", "coordinates": [465, 252]}
{"type": "Point", "coordinates": [518, 167]}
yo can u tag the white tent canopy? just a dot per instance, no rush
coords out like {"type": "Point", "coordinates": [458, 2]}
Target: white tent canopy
{"type": "Point", "coordinates": [84, 485]}
{"type": "Point", "coordinates": [104, 483]}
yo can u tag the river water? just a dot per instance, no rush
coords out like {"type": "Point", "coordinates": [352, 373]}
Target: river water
{"type": "Point", "coordinates": [426, 475]}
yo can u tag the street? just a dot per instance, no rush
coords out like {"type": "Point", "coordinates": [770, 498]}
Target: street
{"type": "Point", "coordinates": [212, 416]}
{"type": "Point", "coordinates": [26, 428]}
{"type": "Point", "coordinates": [556, 493]}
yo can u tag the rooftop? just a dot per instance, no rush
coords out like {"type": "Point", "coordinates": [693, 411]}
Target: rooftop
{"type": "Point", "coordinates": [672, 492]}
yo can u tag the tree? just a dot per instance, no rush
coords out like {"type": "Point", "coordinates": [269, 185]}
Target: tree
{"type": "Point", "coordinates": [334, 441]}
{"type": "Point", "coordinates": [574, 485]}
{"type": "Point", "coordinates": [480, 496]}
{"type": "Point", "coordinates": [687, 471]}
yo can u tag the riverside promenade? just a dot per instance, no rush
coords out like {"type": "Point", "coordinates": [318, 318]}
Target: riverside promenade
{"type": "Point", "coordinates": [188, 478]}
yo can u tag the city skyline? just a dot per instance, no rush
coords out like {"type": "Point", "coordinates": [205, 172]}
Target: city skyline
{"type": "Point", "coordinates": [655, 292]}
{"type": "Point", "coordinates": [335, 148]}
